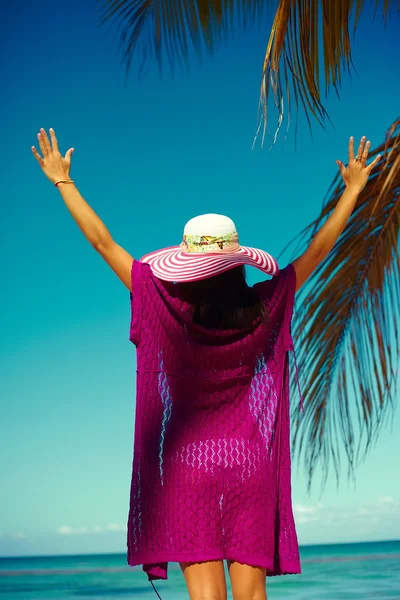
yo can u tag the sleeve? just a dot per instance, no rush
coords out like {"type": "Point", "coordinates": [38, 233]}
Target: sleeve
{"type": "Point", "coordinates": [279, 293]}
{"type": "Point", "coordinates": [290, 290]}
{"type": "Point", "coordinates": [136, 301]}
{"type": "Point", "coordinates": [288, 340]}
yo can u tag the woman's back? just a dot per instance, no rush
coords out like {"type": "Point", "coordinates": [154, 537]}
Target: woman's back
{"type": "Point", "coordinates": [211, 464]}
{"type": "Point", "coordinates": [224, 301]}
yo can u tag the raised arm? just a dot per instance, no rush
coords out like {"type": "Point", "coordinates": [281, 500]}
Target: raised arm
{"type": "Point", "coordinates": [355, 176]}
{"type": "Point", "coordinates": [56, 168]}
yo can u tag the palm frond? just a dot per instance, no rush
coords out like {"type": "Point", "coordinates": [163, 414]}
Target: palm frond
{"type": "Point", "coordinates": [170, 29]}
{"type": "Point", "coordinates": [295, 56]}
{"type": "Point", "coordinates": [346, 324]}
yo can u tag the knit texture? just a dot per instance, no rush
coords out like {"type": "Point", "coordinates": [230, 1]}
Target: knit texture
{"type": "Point", "coordinates": [211, 474]}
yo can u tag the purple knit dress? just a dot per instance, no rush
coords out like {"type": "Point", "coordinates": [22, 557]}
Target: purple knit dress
{"type": "Point", "coordinates": [211, 474]}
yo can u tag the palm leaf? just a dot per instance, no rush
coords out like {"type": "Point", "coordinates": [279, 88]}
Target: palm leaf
{"type": "Point", "coordinates": [347, 322]}
{"type": "Point", "coordinates": [294, 47]}
{"type": "Point", "coordinates": [307, 36]}
{"type": "Point", "coordinates": [169, 29]}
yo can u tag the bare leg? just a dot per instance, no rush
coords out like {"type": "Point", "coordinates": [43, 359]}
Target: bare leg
{"type": "Point", "coordinates": [205, 580]}
{"type": "Point", "coordinates": [248, 583]}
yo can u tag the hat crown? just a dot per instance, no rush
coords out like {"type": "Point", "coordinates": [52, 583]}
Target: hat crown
{"type": "Point", "coordinates": [209, 224]}
{"type": "Point", "coordinates": [210, 246]}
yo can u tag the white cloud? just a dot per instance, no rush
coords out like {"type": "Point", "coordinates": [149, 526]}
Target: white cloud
{"type": "Point", "coordinates": [363, 511]}
{"type": "Point", "coordinates": [115, 527]}
{"type": "Point", "coordinates": [67, 530]}
{"type": "Point", "coordinates": [13, 534]}
{"type": "Point", "coordinates": [386, 499]}
{"type": "Point", "coordinates": [64, 530]}
{"type": "Point", "coordinates": [303, 509]}
{"type": "Point", "coordinates": [305, 514]}
{"type": "Point", "coordinates": [383, 511]}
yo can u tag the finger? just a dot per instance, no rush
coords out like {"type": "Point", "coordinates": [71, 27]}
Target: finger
{"type": "Point", "coordinates": [46, 140]}
{"type": "Point", "coordinates": [361, 147]}
{"type": "Point", "coordinates": [341, 166]}
{"type": "Point", "coordinates": [54, 141]}
{"type": "Point", "coordinates": [68, 154]}
{"type": "Point", "coordinates": [374, 163]}
{"type": "Point", "coordinates": [364, 155]}
{"type": "Point", "coordinates": [37, 155]}
{"type": "Point", "coordinates": [351, 148]}
{"type": "Point", "coordinates": [42, 145]}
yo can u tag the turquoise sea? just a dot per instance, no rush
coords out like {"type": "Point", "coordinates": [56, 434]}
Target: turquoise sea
{"type": "Point", "coordinates": [334, 571]}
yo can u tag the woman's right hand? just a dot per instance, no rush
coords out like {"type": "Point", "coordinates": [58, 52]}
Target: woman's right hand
{"type": "Point", "coordinates": [356, 174]}
{"type": "Point", "coordinates": [53, 164]}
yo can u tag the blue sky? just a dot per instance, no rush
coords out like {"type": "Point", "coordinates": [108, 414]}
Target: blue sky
{"type": "Point", "coordinates": [149, 156]}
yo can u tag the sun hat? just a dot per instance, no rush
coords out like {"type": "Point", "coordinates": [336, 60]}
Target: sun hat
{"type": "Point", "coordinates": [210, 246]}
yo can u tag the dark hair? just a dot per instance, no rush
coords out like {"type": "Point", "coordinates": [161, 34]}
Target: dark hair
{"type": "Point", "coordinates": [224, 301]}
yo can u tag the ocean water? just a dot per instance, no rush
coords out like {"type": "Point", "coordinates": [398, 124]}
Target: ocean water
{"type": "Point", "coordinates": [334, 571]}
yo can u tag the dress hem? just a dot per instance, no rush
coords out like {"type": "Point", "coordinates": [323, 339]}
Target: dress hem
{"type": "Point", "coordinates": [156, 565]}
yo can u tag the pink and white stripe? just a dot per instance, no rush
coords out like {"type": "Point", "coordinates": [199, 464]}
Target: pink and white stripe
{"type": "Point", "coordinates": [172, 264]}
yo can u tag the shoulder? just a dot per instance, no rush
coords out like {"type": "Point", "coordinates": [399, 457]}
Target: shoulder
{"type": "Point", "coordinates": [142, 276]}
{"type": "Point", "coordinates": [282, 284]}
{"type": "Point", "coordinates": [280, 289]}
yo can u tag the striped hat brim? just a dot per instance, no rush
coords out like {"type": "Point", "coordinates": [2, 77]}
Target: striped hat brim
{"type": "Point", "coordinates": [172, 264]}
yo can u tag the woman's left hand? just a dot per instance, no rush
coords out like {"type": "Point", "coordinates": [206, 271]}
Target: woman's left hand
{"type": "Point", "coordinates": [356, 174]}
{"type": "Point", "coordinates": [53, 164]}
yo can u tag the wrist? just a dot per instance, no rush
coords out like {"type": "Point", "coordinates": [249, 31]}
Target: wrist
{"type": "Point", "coordinates": [354, 189]}
{"type": "Point", "coordinates": [63, 181]}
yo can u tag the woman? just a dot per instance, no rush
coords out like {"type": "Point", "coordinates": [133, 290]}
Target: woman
{"type": "Point", "coordinates": [211, 468]}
